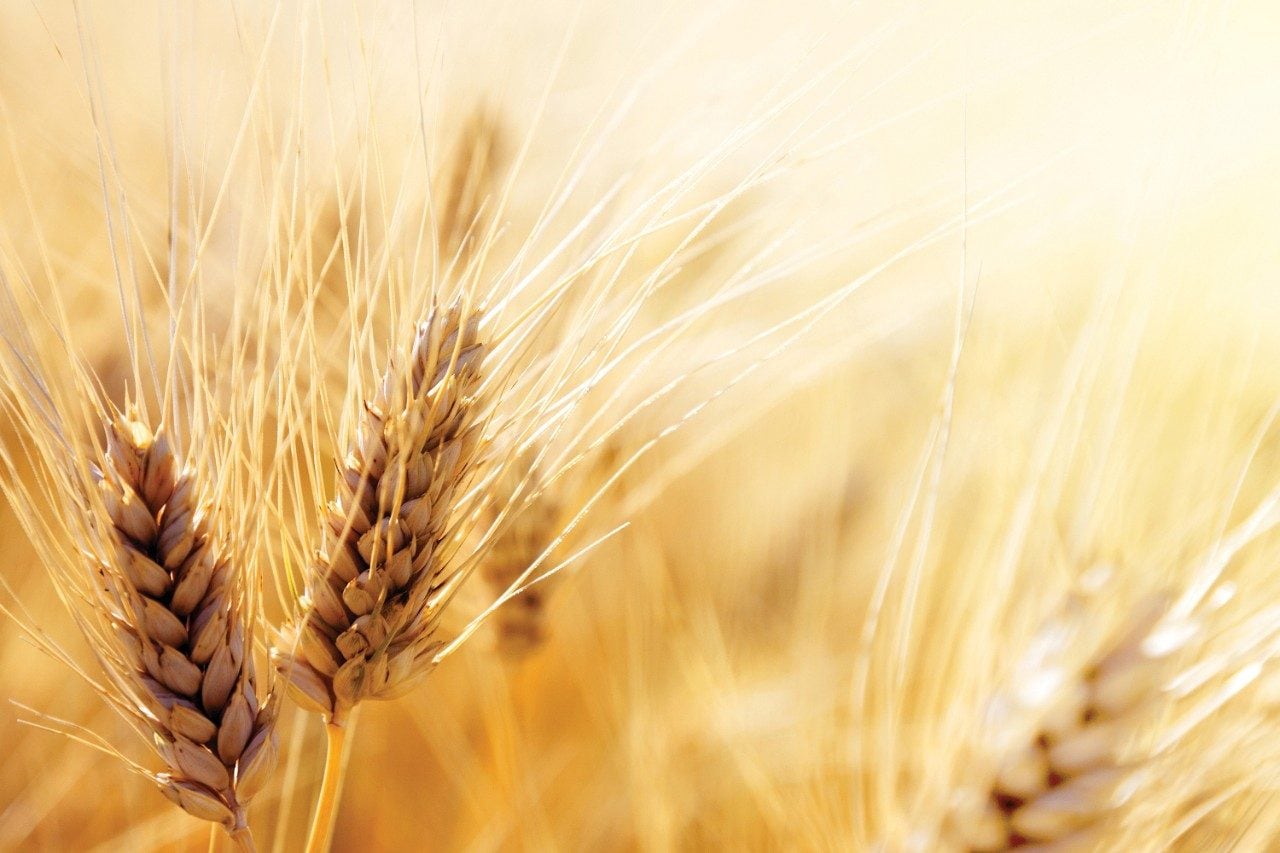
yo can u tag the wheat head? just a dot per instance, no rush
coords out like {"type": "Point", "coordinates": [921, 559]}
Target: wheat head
{"type": "Point", "coordinates": [520, 623]}
{"type": "Point", "coordinates": [177, 607]}
{"type": "Point", "coordinates": [1064, 751]}
{"type": "Point", "coordinates": [376, 588]}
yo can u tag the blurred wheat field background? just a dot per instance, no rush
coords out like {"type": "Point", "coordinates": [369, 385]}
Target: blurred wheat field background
{"type": "Point", "coordinates": [1005, 350]}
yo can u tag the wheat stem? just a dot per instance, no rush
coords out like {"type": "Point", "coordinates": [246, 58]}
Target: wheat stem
{"type": "Point", "coordinates": [243, 839]}
{"type": "Point", "coordinates": [321, 835]}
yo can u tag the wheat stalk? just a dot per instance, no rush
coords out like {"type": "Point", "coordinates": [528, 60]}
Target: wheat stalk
{"type": "Point", "coordinates": [177, 607]}
{"type": "Point", "coordinates": [376, 589]}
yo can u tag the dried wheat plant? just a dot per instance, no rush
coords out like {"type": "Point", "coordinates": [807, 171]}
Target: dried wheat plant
{"type": "Point", "coordinates": [1046, 700]}
{"type": "Point", "coordinates": [417, 505]}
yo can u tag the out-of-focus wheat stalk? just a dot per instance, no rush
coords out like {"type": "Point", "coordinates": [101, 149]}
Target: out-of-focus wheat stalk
{"type": "Point", "coordinates": [535, 520]}
{"type": "Point", "coordinates": [1112, 715]}
{"type": "Point", "coordinates": [1056, 783]}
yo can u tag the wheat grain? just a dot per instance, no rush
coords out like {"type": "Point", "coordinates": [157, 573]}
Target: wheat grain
{"type": "Point", "coordinates": [376, 588]}
{"type": "Point", "coordinates": [177, 607]}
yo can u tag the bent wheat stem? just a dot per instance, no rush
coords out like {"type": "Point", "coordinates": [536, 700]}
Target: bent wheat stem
{"type": "Point", "coordinates": [321, 835]}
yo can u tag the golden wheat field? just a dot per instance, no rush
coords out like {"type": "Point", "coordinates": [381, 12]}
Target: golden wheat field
{"type": "Point", "coordinates": [477, 426]}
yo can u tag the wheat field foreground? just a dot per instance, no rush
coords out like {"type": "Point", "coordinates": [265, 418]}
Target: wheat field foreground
{"type": "Point", "coordinates": [477, 426]}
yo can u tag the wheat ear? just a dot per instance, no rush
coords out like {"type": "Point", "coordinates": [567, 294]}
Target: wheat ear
{"type": "Point", "coordinates": [177, 607]}
{"type": "Point", "coordinates": [520, 623]}
{"type": "Point", "coordinates": [1058, 780]}
{"type": "Point", "coordinates": [377, 587]}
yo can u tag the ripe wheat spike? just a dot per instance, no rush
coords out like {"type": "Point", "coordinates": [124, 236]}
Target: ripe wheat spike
{"type": "Point", "coordinates": [376, 588]}
{"type": "Point", "coordinates": [521, 622]}
{"type": "Point", "coordinates": [1073, 746]}
{"type": "Point", "coordinates": [184, 651]}
{"type": "Point", "coordinates": [1059, 785]}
